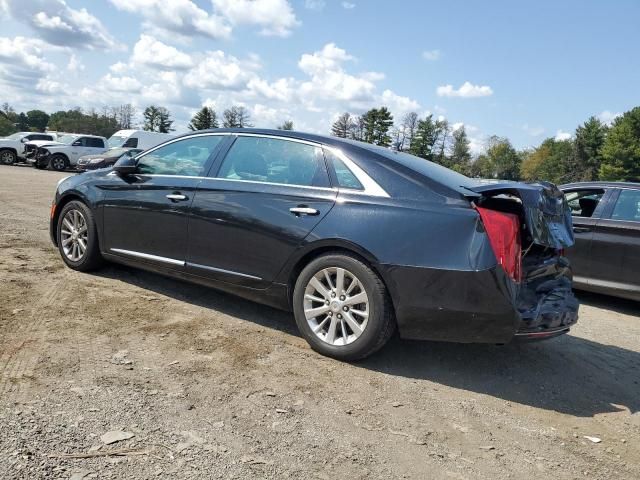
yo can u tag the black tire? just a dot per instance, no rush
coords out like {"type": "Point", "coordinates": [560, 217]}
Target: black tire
{"type": "Point", "coordinates": [8, 157]}
{"type": "Point", "coordinates": [381, 321]}
{"type": "Point", "coordinates": [40, 166]}
{"type": "Point", "coordinates": [59, 162]}
{"type": "Point", "coordinates": [91, 259]}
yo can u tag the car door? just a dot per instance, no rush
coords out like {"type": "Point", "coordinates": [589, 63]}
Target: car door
{"type": "Point", "coordinates": [616, 243]}
{"type": "Point", "coordinates": [79, 147]}
{"type": "Point", "coordinates": [586, 206]}
{"type": "Point", "coordinates": [145, 216]}
{"type": "Point", "coordinates": [257, 207]}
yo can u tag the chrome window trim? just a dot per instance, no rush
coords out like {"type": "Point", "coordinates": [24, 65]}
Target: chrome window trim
{"type": "Point", "coordinates": [147, 256]}
{"type": "Point", "coordinates": [371, 187]}
{"type": "Point", "coordinates": [222, 270]}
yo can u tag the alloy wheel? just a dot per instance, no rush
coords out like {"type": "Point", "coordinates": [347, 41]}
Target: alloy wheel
{"type": "Point", "coordinates": [74, 235]}
{"type": "Point", "coordinates": [7, 157]}
{"type": "Point", "coordinates": [336, 306]}
{"type": "Point", "coordinates": [58, 163]}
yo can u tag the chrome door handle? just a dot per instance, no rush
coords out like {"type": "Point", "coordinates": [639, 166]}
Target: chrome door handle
{"type": "Point", "coordinates": [304, 211]}
{"type": "Point", "coordinates": [174, 197]}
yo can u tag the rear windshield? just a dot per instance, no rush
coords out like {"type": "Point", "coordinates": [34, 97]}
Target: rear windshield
{"type": "Point", "coordinates": [438, 173]}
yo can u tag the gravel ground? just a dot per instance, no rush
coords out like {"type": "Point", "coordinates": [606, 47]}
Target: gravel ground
{"type": "Point", "coordinates": [199, 384]}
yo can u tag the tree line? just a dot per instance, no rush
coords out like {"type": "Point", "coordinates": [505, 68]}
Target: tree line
{"type": "Point", "coordinates": [596, 151]}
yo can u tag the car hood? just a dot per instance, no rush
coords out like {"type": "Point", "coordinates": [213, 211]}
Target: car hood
{"type": "Point", "coordinates": [546, 212]}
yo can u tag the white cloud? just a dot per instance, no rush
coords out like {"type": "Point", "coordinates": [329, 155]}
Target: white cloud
{"type": "Point", "coordinates": [314, 4]}
{"type": "Point", "coordinates": [431, 55]}
{"type": "Point", "coordinates": [216, 70]}
{"type": "Point", "coordinates": [608, 117]}
{"type": "Point", "coordinates": [276, 17]}
{"type": "Point", "coordinates": [119, 67]}
{"type": "Point", "coordinates": [75, 64]}
{"type": "Point", "coordinates": [466, 90]}
{"type": "Point", "coordinates": [282, 89]}
{"type": "Point", "coordinates": [398, 104]}
{"type": "Point", "coordinates": [152, 52]}
{"type": "Point", "coordinates": [59, 24]}
{"type": "Point", "coordinates": [533, 131]}
{"type": "Point", "coordinates": [121, 84]}
{"type": "Point", "coordinates": [348, 5]}
{"type": "Point", "coordinates": [562, 135]}
{"type": "Point", "coordinates": [182, 17]}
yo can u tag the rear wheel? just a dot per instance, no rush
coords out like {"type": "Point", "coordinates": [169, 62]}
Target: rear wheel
{"type": "Point", "coordinates": [342, 307]}
{"type": "Point", "coordinates": [8, 157]}
{"type": "Point", "coordinates": [59, 163]}
{"type": "Point", "coordinates": [78, 238]}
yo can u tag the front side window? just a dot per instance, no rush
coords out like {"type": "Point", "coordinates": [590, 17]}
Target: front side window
{"type": "Point", "coordinates": [273, 160]}
{"type": "Point", "coordinates": [93, 142]}
{"type": "Point", "coordinates": [584, 202]}
{"type": "Point", "coordinates": [187, 157]}
{"type": "Point", "coordinates": [628, 206]}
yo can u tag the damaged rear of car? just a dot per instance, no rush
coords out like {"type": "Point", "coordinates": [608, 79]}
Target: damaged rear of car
{"type": "Point", "coordinates": [529, 226]}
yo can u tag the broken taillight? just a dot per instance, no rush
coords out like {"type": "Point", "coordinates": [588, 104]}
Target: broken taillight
{"type": "Point", "coordinates": [503, 230]}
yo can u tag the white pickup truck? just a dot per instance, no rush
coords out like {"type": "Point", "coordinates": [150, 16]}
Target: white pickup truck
{"type": "Point", "coordinates": [12, 148]}
{"type": "Point", "coordinates": [64, 152]}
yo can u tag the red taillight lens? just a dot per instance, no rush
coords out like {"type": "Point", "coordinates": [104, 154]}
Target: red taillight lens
{"type": "Point", "coordinates": [503, 230]}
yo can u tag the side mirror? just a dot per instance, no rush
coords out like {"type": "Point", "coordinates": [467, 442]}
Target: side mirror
{"type": "Point", "coordinates": [77, 143]}
{"type": "Point", "coordinates": [24, 140]}
{"type": "Point", "coordinates": [125, 166]}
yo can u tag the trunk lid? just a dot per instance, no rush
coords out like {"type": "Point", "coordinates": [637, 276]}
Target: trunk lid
{"type": "Point", "coordinates": [546, 213]}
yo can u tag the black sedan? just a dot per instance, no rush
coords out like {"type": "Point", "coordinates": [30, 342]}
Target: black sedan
{"type": "Point", "coordinates": [106, 159]}
{"type": "Point", "coordinates": [357, 240]}
{"type": "Point", "coordinates": [606, 222]}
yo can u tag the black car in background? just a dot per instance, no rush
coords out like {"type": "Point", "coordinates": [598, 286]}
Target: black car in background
{"type": "Point", "coordinates": [606, 224]}
{"type": "Point", "coordinates": [357, 240]}
{"type": "Point", "coordinates": [106, 159]}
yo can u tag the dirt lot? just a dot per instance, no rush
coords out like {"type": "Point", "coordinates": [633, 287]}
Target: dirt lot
{"type": "Point", "coordinates": [216, 387]}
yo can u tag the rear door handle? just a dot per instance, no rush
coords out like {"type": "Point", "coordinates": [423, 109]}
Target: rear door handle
{"type": "Point", "coordinates": [304, 211]}
{"type": "Point", "coordinates": [176, 197]}
{"type": "Point", "coordinates": [581, 229]}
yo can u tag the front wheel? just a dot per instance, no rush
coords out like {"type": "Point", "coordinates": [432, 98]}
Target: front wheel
{"type": "Point", "coordinates": [8, 157]}
{"type": "Point", "coordinates": [342, 307]}
{"type": "Point", "coordinates": [78, 238]}
{"type": "Point", "coordinates": [59, 163]}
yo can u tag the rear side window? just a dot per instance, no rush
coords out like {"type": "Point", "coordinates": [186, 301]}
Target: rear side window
{"type": "Point", "coordinates": [187, 157]}
{"type": "Point", "coordinates": [628, 206]}
{"type": "Point", "coordinates": [345, 177]}
{"type": "Point", "coordinates": [584, 202]}
{"type": "Point", "coordinates": [40, 137]}
{"type": "Point", "coordinates": [131, 142]}
{"type": "Point", "coordinates": [273, 160]}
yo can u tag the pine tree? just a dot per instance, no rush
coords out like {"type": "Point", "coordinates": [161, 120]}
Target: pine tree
{"type": "Point", "coordinates": [425, 138]}
{"type": "Point", "coordinates": [157, 119]}
{"type": "Point", "coordinates": [621, 149]}
{"type": "Point", "coordinates": [587, 151]}
{"type": "Point", "coordinates": [342, 126]}
{"type": "Point", "coordinates": [204, 119]}
{"type": "Point", "coordinates": [377, 125]}
{"type": "Point", "coordinates": [460, 153]}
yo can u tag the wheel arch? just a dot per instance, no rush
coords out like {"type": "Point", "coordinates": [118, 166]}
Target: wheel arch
{"type": "Point", "coordinates": [64, 200]}
{"type": "Point", "coordinates": [11, 149]}
{"type": "Point", "coordinates": [323, 247]}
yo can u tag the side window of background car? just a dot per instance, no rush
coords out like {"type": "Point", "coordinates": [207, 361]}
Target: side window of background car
{"type": "Point", "coordinates": [584, 202]}
{"type": "Point", "coordinates": [94, 142]}
{"type": "Point", "coordinates": [186, 157]}
{"type": "Point", "coordinates": [79, 142]}
{"type": "Point", "coordinates": [627, 206]}
{"type": "Point", "coordinates": [131, 142]}
{"type": "Point", "coordinates": [274, 160]}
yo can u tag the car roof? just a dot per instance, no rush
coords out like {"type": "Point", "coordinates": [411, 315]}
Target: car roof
{"type": "Point", "coordinates": [601, 184]}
